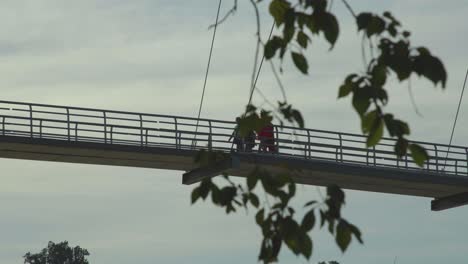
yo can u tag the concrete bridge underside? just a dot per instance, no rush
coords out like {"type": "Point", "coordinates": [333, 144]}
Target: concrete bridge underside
{"type": "Point", "coordinates": [306, 171]}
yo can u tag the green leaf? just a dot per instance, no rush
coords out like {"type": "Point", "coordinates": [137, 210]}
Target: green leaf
{"type": "Point", "coordinates": [312, 24]}
{"type": "Point", "coordinates": [430, 67]}
{"type": "Point", "coordinates": [323, 218]}
{"type": "Point", "coordinates": [300, 62]}
{"type": "Point", "coordinates": [318, 5]}
{"type": "Point", "coordinates": [345, 89]}
{"type": "Point", "coordinates": [368, 120]}
{"type": "Point", "coordinates": [215, 194]}
{"type": "Point", "coordinates": [343, 235]}
{"type": "Point", "coordinates": [381, 94]}
{"type": "Point", "coordinates": [348, 86]}
{"type": "Point", "coordinates": [297, 116]}
{"type": "Point", "coordinates": [395, 127]}
{"type": "Point", "coordinates": [195, 194]}
{"type": "Point", "coordinates": [289, 28]}
{"type": "Point", "coordinates": [272, 46]}
{"type": "Point", "coordinates": [360, 101]}
{"type": "Point", "coordinates": [308, 221]}
{"type": "Point", "coordinates": [379, 75]}
{"type": "Point", "coordinates": [259, 217]}
{"type": "Point", "coordinates": [401, 147]}
{"type": "Point", "coordinates": [292, 233]}
{"type": "Point", "coordinates": [292, 189]}
{"type": "Point", "coordinates": [375, 26]}
{"type": "Point", "coordinates": [336, 193]}
{"type": "Point", "coordinates": [205, 187]}
{"type": "Point", "coordinates": [252, 180]}
{"type": "Point", "coordinates": [305, 245]}
{"type": "Point", "coordinates": [363, 20]}
{"type": "Point", "coordinates": [355, 231]}
{"type": "Point", "coordinates": [254, 200]}
{"type": "Point", "coordinates": [423, 51]}
{"type": "Point", "coordinates": [330, 28]}
{"type": "Point", "coordinates": [302, 19]}
{"type": "Point", "coordinates": [375, 133]}
{"type": "Point", "coordinates": [278, 9]}
{"type": "Point", "coordinates": [419, 154]}
{"type": "Point", "coordinates": [302, 39]}
{"type": "Point", "coordinates": [310, 203]}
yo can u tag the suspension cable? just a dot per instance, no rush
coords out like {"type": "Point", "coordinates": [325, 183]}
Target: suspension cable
{"type": "Point", "coordinates": [194, 142]}
{"type": "Point", "coordinates": [252, 89]}
{"type": "Point", "coordinates": [456, 117]}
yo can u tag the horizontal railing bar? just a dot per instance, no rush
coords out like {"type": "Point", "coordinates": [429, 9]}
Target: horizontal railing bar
{"type": "Point", "coordinates": [289, 141]}
{"type": "Point", "coordinates": [300, 146]}
{"type": "Point", "coordinates": [111, 111]}
{"type": "Point", "coordinates": [201, 119]}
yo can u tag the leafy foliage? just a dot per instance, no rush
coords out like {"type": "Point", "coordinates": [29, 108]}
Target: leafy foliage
{"type": "Point", "coordinates": [392, 54]}
{"type": "Point", "coordinates": [396, 56]}
{"type": "Point", "coordinates": [60, 253]}
{"type": "Point", "coordinates": [278, 221]}
{"type": "Point", "coordinates": [305, 19]}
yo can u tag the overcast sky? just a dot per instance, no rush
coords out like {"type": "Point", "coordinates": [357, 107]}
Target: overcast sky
{"type": "Point", "coordinates": [150, 56]}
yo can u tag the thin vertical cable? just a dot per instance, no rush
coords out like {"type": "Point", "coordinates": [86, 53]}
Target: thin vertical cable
{"type": "Point", "coordinates": [194, 142]}
{"type": "Point", "coordinates": [456, 117]}
{"type": "Point", "coordinates": [252, 89]}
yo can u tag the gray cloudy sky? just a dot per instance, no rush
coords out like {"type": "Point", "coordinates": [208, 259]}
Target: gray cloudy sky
{"type": "Point", "coordinates": [150, 56]}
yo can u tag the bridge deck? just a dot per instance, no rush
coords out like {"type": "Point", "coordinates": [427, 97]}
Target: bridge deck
{"type": "Point", "coordinates": [94, 136]}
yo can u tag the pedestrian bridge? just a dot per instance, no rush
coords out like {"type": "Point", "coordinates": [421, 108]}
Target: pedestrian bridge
{"type": "Point", "coordinates": [317, 157]}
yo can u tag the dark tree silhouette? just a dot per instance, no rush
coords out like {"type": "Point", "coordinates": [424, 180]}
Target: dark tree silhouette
{"type": "Point", "coordinates": [60, 253]}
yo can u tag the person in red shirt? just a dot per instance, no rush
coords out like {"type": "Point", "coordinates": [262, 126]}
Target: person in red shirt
{"type": "Point", "coordinates": [267, 139]}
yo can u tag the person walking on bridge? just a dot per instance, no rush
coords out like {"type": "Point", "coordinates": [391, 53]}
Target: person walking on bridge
{"type": "Point", "coordinates": [267, 140]}
{"type": "Point", "coordinates": [238, 140]}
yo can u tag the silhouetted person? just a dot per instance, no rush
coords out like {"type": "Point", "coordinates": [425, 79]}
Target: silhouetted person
{"type": "Point", "coordinates": [237, 138]}
{"type": "Point", "coordinates": [267, 140]}
{"type": "Point", "coordinates": [250, 141]}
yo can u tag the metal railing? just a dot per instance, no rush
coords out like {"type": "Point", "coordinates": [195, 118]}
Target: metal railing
{"type": "Point", "coordinates": [75, 124]}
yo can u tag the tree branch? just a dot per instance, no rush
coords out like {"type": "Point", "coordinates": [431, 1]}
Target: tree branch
{"type": "Point", "coordinates": [349, 8]}
{"type": "Point", "coordinates": [278, 80]}
{"type": "Point", "coordinates": [228, 13]}
{"type": "Point", "coordinates": [257, 49]}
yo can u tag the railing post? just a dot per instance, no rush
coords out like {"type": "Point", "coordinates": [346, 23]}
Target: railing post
{"type": "Point", "coordinates": [466, 151]}
{"type": "Point", "coordinates": [436, 157]}
{"type": "Point", "coordinates": [277, 138]}
{"type": "Point", "coordinates": [68, 124]}
{"type": "Point", "coordinates": [406, 160]}
{"type": "Point", "coordinates": [375, 156]}
{"type": "Point", "coordinates": [141, 129]}
{"type": "Point", "coordinates": [104, 115]}
{"type": "Point", "coordinates": [40, 128]}
{"type": "Point", "coordinates": [3, 125]}
{"type": "Point", "coordinates": [308, 154]}
{"type": "Point", "coordinates": [341, 146]}
{"type": "Point", "coordinates": [31, 120]}
{"type": "Point", "coordinates": [111, 134]}
{"type": "Point", "coordinates": [76, 131]}
{"type": "Point", "coordinates": [177, 140]}
{"type": "Point", "coordinates": [210, 137]}
{"type": "Point", "coordinates": [146, 137]}
{"type": "Point", "coordinates": [456, 167]}
{"type": "Point", "coordinates": [367, 156]}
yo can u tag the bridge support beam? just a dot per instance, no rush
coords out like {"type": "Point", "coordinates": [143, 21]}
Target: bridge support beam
{"type": "Point", "coordinates": [199, 174]}
{"type": "Point", "coordinates": [448, 202]}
